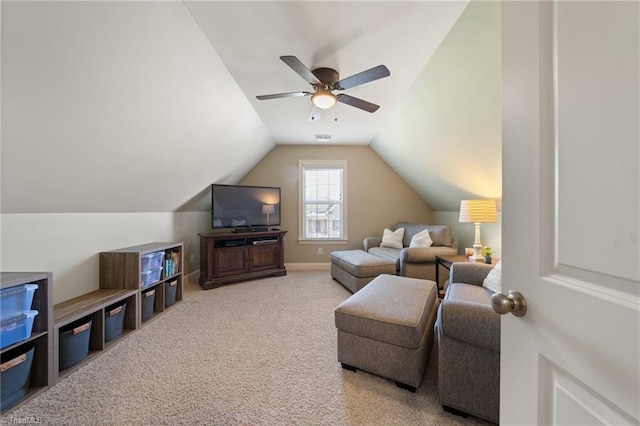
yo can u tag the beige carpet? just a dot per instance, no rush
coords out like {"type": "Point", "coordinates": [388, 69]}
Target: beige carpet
{"type": "Point", "coordinates": [254, 353]}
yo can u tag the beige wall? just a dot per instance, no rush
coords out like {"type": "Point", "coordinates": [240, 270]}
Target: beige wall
{"type": "Point", "coordinates": [377, 197]}
{"type": "Point", "coordinates": [69, 244]}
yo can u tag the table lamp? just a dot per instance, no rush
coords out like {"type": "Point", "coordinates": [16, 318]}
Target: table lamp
{"type": "Point", "coordinates": [477, 212]}
{"type": "Point", "coordinates": [268, 209]}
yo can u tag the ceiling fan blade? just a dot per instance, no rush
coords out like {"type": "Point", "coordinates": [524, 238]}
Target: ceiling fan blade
{"type": "Point", "coordinates": [283, 95]}
{"type": "Point", "coordinates": [316, 113]}
{"type": "Point", "coordinates": [300, 68]}
{"type": "Point", "coordinates": [358, 103]}
{"type": "Point", "coordinates": [363, 77]}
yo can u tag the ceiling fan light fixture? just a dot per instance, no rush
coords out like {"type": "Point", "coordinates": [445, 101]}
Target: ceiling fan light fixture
{"type": "Point", "coordinates": [323, 99]}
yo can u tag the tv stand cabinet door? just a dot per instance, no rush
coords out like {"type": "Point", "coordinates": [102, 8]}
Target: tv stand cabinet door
{"type": "Point", "coordinates": [230, 261]}
{"type": "Point", "coordinates": [265, 257]}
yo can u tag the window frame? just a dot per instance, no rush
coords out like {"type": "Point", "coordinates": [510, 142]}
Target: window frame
{"type": "Point", "coordinates": [321, 164]}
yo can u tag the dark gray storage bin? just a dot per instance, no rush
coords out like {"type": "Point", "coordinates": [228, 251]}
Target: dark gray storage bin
{"type": "Point", "coordinates": [148, 299]}
{"type": "Point", "coordinates": [74, 343]}
{"type": "Point", "coordinates": [114, 321]}
{"type": "Point", "coordinates": [170, 288]}
{"type": "Point", "coordinates": [15, 373]}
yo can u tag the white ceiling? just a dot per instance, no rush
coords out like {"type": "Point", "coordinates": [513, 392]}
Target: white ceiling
{"type": "Point", "coordinates": [249, 38]}
{"type": "Point", "coordinates": [128, 95]}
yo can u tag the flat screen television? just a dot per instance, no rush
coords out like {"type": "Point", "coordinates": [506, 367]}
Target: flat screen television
{"type": "Point", "coordinates": [241, 207]}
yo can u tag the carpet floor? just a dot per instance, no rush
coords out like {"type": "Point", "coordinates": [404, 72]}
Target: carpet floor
{"type": "Point", "coordinates": [259, 352]}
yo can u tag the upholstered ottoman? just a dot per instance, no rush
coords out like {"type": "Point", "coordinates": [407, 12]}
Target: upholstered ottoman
{"type": "Point", "coordinates": [356, 268]}
{"type": "Point", "coordinates": [387, 328]}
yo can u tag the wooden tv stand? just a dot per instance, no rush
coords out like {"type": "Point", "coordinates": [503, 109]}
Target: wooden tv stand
{"type": "Point", "coordinates": [237, 256]}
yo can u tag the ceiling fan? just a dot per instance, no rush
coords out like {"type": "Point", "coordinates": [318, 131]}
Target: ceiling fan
{"type": "Point", "coordinates": [327, 80]}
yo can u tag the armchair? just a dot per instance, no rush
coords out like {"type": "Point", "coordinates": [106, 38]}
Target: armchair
{"type": "Point", "coordinates": [468, 335]}
{"type": "Point", "coordinates": [415, 262]}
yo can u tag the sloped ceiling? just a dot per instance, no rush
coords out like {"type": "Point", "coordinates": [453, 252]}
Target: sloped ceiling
{"type": "Point", "coordinates": [445, 137]}
{"type": "Point", "coordinates": [117, 107]}
{"type": "Point", "coordinates": [347, 36]}
{"type": "Point", "coordinates": [139, 106]}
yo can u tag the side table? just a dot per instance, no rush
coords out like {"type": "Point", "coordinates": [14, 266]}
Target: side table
{"type": "Point", "coordinates": [446, 261]}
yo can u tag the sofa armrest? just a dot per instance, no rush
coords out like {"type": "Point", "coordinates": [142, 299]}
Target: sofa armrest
{"type": "Point", "coordinates": [424, 254]}
{"type": "Point", "coordinates": [371, 242]}
{"type": "Point", "coordinates": [467, 315]}
{"type": "Point", "coordinates": [469, 272]}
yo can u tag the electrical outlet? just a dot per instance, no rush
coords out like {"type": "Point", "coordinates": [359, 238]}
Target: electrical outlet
{"type": "Point", "coordinates": [192, 258]}
{"type": "Point", "coordinates": [319, 251]}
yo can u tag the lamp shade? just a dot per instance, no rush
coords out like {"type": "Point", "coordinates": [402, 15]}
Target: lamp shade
{"type": "Point", "coordinates": [268, 209]}
{"type": "Point", "coordinates": [478, 211]}
{"type": "Point", "coordinates": [323, 99]}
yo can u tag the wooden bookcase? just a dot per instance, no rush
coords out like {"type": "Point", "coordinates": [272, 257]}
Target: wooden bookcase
{"type": "Point", "coordinates": [41, 339]}
{"type": "Point", "coordinates": [123, 269]}
{"type": "Point", "coordinates": [231, 257]}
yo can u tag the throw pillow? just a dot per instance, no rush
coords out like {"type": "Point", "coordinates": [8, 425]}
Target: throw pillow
{"type": "Point", "coordinates": [392, 239]}
{"type": "Point", "coordinates": [441, 235]}
{"type": "Point", "coordinates": [421, 239]}
{"type": "Point", "coordinates": [493, 281]}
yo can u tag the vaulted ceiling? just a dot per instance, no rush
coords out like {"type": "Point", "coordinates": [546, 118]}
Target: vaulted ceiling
{"type": "Point", "coordinates": [349, 37]}
{"type": "Point", "coordinates": [101, 98]}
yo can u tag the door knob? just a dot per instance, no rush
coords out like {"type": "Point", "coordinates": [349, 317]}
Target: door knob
{"type": "Point", "coordinates": [513, 302]}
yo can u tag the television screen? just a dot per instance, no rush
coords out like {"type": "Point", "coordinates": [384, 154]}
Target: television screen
{"type": "Point", "coordinates": [236, 206]}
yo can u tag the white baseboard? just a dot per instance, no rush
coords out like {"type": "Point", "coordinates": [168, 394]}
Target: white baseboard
{"type": "Point", "coordinates": [307, 266]}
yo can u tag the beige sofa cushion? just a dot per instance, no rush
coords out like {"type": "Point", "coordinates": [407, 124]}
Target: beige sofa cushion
{"type": "Point", "coordinates": [440, 234]}
{"type": "Point", "coordinates": [362, 264]}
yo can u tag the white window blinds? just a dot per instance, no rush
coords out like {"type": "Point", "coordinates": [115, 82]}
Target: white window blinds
{"type": "Point", "coordinates": [323, 200]}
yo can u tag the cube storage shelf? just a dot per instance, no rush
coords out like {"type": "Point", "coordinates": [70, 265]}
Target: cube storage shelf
{"type": "Point", "coordinates": [30, 366]}
{"type": "Point", "coordinates": [13, 359]}
{"type": "Point", "coordinates": [152, 267]}
{"type": "Point", "coordinates": [92, 307]}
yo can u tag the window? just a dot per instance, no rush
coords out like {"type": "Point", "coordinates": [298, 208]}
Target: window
{"type": "Point", "coordinates": [323, 200]}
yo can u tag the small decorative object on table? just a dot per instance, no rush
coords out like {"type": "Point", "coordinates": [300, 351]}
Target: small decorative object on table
{"type": "Point", "coordinates": [486, 253]}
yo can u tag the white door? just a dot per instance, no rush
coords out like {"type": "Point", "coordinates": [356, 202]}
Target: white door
{"type": "Point", "coordinates": [571, 212]}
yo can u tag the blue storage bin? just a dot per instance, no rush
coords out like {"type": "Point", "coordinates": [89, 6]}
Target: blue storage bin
{"type": "Point", "coordinates": [170, 289]}
{"type": "Point", "coordinates": [150, 277]}
{"type": "Point", "coordinates": [114, 322]}
{"type": "Point", "coordinates": [15, 373]}
{"type": "Point", "coordinates": [16, 328]}
{"type": "Point", "coordinates": [151, 261]}
{"type": "Point", "coordinates": [16, 300]}
{"type": "Point", "coordinates": [74, 343]}
{"type": "Point", "coordinates": [148, 299]}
